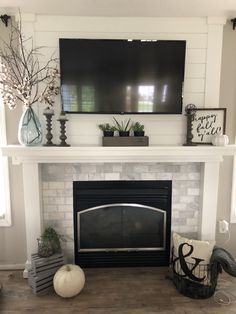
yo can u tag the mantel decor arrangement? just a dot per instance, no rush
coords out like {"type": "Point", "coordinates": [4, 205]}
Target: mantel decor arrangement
{"type": "Point", "coordinates": [123, 129]}
{"type": "Point", "coordinates": [25, 80]}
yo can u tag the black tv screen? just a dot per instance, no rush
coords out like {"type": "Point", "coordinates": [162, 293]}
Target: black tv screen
{"type": "Point", "coordinates": [122, 76]}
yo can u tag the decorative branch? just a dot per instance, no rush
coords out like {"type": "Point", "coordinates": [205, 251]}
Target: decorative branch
{"type": "Point", "coordinates": [21, 73]}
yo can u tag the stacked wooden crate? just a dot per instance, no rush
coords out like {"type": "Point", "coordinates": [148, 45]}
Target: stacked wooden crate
{"type": "Point", "coordinates": [43, 269]}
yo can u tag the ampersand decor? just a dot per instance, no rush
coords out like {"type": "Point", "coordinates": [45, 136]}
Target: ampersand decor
{"type": "Point", "coordinates": [187, 272]}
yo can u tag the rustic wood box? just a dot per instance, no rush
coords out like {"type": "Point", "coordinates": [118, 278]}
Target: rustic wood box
{"type": "Point", "coordinates": [125, 141]}
{"type": "Point", "coordinates": [43, 269]}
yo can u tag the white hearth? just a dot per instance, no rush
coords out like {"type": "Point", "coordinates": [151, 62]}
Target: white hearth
{"type": "Point", "coordinates": [208, 158]}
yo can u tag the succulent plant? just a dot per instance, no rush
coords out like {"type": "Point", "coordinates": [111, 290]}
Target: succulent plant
{"type": "Point", "coordinates": [122, 126]}
{"type": "Point", "coordinates": [137, 127]}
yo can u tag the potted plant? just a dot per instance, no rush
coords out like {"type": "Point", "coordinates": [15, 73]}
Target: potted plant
{"type": "Point", "coordinates": [138, 129]}
{"type": "Point", "coordinates": [49, 242]}
{"type": "Point", "coordinates": [122, 127]}
{"type": "Point", "coordinates": [108, 130]}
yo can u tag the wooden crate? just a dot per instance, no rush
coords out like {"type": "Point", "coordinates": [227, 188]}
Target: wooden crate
{"type": "Point", "coordinates": [125, 141]}
{"type": "Point", "coordinates": [43, 269]}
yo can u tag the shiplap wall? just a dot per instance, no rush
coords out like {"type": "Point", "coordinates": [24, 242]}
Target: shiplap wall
{"type": "Point", "coordinates": [202, 70]}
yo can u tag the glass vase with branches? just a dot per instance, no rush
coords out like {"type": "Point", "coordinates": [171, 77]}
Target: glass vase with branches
{"type": "Point", "coordinates": [24, 79]}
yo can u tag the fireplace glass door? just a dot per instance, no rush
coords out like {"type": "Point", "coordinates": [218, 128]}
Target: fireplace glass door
{"type": "Point", "coordinates": [117, 227]}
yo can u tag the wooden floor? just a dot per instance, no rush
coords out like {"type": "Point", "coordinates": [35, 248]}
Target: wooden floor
{"type": "Point", "coordinates": [112, 291]}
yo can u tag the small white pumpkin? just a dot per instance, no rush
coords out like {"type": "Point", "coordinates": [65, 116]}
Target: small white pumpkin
{"type": "Point", "coordinates": [69, 281]}
{"type": "Point", "coordinates": [220, 140]}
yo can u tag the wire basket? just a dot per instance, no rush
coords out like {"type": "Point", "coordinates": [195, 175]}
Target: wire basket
{"type": "Point", "coordinates": [191, 288]}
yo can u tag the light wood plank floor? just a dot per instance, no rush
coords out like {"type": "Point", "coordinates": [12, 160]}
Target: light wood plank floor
{"type": "Point", "coordinates": [112, 291]}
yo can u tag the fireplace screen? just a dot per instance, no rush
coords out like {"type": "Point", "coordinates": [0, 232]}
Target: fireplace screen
{"type": "Point", "coordinates": [122, 223]}
{"type": "Point", "coordinates": [121, 227]}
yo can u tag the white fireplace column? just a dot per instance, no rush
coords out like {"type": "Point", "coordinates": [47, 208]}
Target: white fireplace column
{"type": "Point", "coordinates": [33, 217]}
{"type": "Point", "coordinates": [209, 195]}
{"type": "Point", "coordinates": [32, 157]}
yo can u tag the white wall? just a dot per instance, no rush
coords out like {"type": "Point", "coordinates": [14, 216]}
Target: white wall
{"type": "Point", "coordinates": [12, 239]}
{"type": "Point", "coordinates": [228, 100]}
{"type": "Point", "coordinates": [202, 87]}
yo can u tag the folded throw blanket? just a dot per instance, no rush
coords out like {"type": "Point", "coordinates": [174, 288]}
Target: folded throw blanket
{"type": "Point", "coordinates": [225, 259]}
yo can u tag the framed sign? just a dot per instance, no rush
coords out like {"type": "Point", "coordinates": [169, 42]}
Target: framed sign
{"type": "Point", "coordinates": [206, 123]}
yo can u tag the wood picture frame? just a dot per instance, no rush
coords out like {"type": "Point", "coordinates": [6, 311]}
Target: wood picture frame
{"type": "Point", "coordinates": [206, 123]}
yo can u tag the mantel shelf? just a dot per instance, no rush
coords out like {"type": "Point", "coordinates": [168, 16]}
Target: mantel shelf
{"type": "Point", "coordinates": [89, 154]}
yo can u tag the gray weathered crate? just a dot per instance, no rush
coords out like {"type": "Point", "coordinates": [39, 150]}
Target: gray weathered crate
{"type": "Point", "coordinates": [125, 141]}
{"type": "Point", "coordinates": [43, 269]}
{"type": "Point", "coordinates": [40, 264]}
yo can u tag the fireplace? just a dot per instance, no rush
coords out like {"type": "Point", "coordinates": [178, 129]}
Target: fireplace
{"type": "Point", "coordinates": [49, 172]}
{"type": "Point", "coordinates": [122, 223]}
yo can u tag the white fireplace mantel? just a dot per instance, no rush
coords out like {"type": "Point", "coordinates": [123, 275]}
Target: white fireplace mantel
{"type": "Point", "coordinates": [31, 157]}
{"type": "Point", "coordinates": [79, 154]}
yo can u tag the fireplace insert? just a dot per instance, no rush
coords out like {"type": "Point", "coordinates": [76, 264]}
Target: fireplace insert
{"type": "Point", "coordinates": [122, 223]}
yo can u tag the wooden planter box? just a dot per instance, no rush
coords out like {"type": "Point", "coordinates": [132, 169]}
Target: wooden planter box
{"type": "Point", "coordinates": [125, 141]}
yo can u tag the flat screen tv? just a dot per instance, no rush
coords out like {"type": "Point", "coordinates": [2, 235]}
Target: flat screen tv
{"type": "Point", "coordinates": [122, 76]}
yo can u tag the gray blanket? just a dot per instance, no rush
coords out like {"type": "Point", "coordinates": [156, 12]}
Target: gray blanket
{"type": "Point", "coordinates": [225, 260]}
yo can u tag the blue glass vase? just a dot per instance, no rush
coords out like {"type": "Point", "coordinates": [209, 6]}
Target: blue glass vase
{"type": "Point", "coordinates": [30, 130]}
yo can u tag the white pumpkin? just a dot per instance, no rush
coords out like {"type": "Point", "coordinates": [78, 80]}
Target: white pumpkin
{"type": "Point", "coordinates": [68, 281]}
{"type": "Point", "coordinates": [220, 140]}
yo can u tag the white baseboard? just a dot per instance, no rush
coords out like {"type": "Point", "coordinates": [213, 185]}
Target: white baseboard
{"type": "Point", "coordinates": [12, 266]}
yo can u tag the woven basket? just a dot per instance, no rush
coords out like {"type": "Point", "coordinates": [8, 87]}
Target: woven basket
{"type": "Point", "coordinates": [194, 289]}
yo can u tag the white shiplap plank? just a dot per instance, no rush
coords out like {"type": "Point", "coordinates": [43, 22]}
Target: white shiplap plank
{"type": "Point", "coordinates": [195, 70]}
{"type": "Point", "coordinates": [213, 69]}
{"type": "Point", "coordinates": [194, 85]}
{"type": "Point", "coordinates": [85, 127]}
{"type": "Point", "coordinates": [121, 24]}
{"type": "Point", "coordinates": [194, 98]}
{"type": "Point", "coordinates": [195, 56]}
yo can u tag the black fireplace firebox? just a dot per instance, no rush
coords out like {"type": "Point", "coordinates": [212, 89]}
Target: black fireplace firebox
{"type": "Point", "coordinates": [122, 223]}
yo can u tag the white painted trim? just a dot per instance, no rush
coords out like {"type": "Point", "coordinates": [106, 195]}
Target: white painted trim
{"type": "Point", "coordinates": [6, 202]}
{"type": "Point", "coordinates": [33, 216]}
{"type": "Point", "coordinates": [76, 154]}
{"type": "Point", "coordinates": [12, 267]}
{"type": "Point", "coordinates": [233, 194]}
{"type": "Point", "coordinates": [216, 20]}
{"type": "Point", "coordinates": [209, 187]}
{"type": "Point", "coordinates": [213, 62]}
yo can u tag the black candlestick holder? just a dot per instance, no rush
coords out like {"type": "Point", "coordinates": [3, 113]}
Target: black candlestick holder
{"type": "Point", "coordinates": [62, 119]}
{"type": "Point", "coordinates": [190, 111]}
{"type": "Point", "coordinates": [49, 113]}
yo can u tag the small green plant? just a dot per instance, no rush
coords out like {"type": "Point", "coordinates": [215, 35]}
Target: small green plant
{"type": "Point", "coordinates": [49, 243]}
{"type": "Point", "coordinates": [138, 127]}
{"type": "Point", "coordinates": [123, 126]}
{"type": "Point", "coordinates": [107, 127]}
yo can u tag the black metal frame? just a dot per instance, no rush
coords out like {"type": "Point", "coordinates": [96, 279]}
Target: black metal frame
{"type": "Point", "coordinates": [211, 110]}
